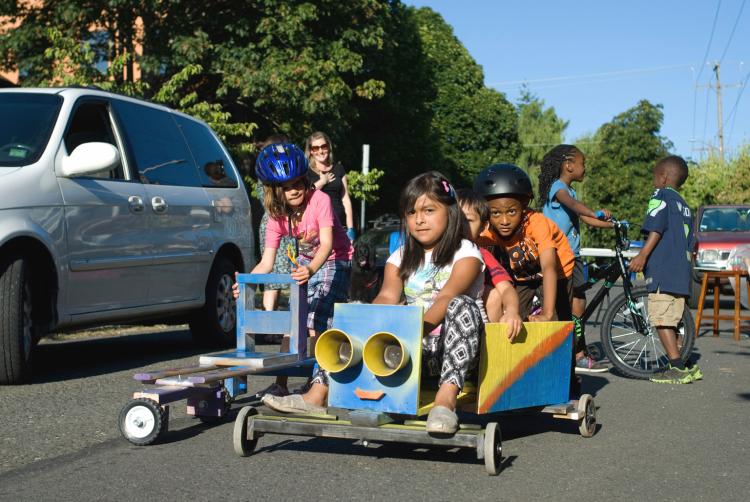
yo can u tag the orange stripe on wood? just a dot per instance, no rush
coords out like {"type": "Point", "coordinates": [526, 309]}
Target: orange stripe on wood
{"type": "Point", "coordinates": [540, 351]}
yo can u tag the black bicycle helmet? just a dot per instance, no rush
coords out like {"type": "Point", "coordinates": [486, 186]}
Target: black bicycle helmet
{"type": "Point", "coordinates": [280, 162]}
{"type": "Point", "coordinates": [503, 179]}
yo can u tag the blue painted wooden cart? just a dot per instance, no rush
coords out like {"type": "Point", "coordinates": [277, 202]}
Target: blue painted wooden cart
{"type": "Point", "coordinates": [373, 355]}
{"type": "Point", "coordinates": [210, 387]}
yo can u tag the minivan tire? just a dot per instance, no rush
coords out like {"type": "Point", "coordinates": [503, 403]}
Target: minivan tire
{"type": "Point", "coordinates": [16, 324]}
{"type": "Point", "coordinates": [214, 324]}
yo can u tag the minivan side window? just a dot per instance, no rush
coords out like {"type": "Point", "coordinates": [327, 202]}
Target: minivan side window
{"type": "Point", "coordinates": [91, 123]}
{"type": "Point", "coordinates": [156, 145]}
{"type": "Point", "coordinates": [214, 167]}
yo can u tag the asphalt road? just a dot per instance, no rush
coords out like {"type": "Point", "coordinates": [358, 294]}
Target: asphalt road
{"type": "Point", "coordinates": [59, 440]}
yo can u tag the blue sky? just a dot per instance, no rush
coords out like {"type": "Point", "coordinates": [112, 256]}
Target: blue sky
{"type": "Point", "coordinates": [591, 60]}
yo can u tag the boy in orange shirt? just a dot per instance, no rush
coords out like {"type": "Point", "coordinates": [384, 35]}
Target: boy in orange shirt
{"type": "Point", "coordinates": [530, 246]}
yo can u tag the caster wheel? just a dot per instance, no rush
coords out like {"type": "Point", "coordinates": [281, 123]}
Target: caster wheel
{"type": "Point", "coordinates": [142, 421]}
{"type": "Point", "coordinates": [493, 449]}
{"type": "Point", "coordinates": [587, 414]}
{"type": "Point", "coordinates": [244, 439]}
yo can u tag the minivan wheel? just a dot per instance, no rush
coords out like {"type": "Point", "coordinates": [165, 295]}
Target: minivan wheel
{"type": "Point", "coordinates": [16, 325]}
{"type": "Point", "coordinates": [214, 323]}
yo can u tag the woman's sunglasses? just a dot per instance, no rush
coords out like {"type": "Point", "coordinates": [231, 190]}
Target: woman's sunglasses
{"type": "Point", "coordinates": [318, 148]}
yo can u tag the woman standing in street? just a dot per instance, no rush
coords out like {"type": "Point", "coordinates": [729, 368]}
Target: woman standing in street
{"type": "Point", "coordinates": [330, 179]}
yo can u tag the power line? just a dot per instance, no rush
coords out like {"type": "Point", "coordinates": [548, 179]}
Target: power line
{"type": "Point", "coordinates": [737, 102]}
{"type": "Point", "coordinates": [710, 39]}
{"type": "Point", "coordinates": [589, 75]}
{"type": "Point", "coordinates": [736, 21]}
{"type": "Point", "coordinates": [695, 103]}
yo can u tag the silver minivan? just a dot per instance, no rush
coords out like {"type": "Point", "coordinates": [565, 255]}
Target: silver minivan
{"type": "Point", "coordinates": [113, 210]}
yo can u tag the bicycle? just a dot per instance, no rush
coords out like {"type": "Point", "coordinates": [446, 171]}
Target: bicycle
{"type": "Point", "coordinates": [629, 341]}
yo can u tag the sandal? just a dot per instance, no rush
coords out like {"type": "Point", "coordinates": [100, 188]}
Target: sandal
{"type": "Point", "coordinates": [442, 420]}
{"type": "Point", "coordinates": [292, 404]}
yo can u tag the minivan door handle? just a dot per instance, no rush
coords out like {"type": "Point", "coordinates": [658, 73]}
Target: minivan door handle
{"type": "Point", "coordinates": [159, 204]}
{"type": "Point", "coordinates": [136, 204]}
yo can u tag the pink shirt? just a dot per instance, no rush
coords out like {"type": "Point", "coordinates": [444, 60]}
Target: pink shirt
{"type": "Point", "coordinates": [318, 214]}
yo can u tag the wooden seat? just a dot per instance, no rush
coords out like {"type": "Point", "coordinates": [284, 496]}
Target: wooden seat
{"type": "Point", "coordinates": [716, 277]}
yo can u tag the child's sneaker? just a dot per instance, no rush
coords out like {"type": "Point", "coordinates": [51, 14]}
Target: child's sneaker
{"type": "Point", "coordinates": [586, 364]}
{"type": "Point", "coordinates": [696, 373]}
{"type": "Point", "coordinates": [673, 375]}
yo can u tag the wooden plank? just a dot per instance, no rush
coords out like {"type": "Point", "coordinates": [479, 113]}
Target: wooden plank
{"type": "Point", "coordinates": [152, 376]}
{"type": "Point", "coordinates": [239, 371]}
{"type": "Point", "coordinates": [257, 360]}
{"type": "Point", "coordinates": [559, 409]}
{"type": "Point", "coordinates": [342, 430]}
{"type": "Point", "coordinates": [168, 394]}
{"type": "Point", "coordinates": [181, 381]}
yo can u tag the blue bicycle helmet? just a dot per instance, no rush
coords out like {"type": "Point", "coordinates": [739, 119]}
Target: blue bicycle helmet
{"type": "Point", "coordinates": [279, 163]}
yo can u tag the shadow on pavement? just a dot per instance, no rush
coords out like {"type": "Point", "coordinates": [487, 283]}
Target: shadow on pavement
{"type": "Point", "coordinates": [67, 360]}
{"type": "Point", "coordinates": [591, 384]}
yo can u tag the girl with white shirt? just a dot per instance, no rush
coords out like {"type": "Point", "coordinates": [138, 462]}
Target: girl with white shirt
{"type": "Point", "coordinates": [440, 269]}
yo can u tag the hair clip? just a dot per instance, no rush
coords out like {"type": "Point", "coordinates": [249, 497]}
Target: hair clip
{"type": "Point", "coordinates": [448, 189]}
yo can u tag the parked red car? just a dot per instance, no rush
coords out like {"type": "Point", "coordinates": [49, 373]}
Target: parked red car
{"type": "Point", "coordinates": [718, 230]}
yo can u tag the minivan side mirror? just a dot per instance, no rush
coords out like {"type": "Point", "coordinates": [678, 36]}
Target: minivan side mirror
{"type": "Point", "coordinates": [89, 159]}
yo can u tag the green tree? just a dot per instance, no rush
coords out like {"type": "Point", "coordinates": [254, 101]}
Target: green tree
{"type": "Point", "coordinates": [398, 127]}
{"type": "Point", "coordinates": [717, 181]}
{"type": "Point", "coordinates": [475, 126]}
{"type": "Point", "coordinates": [619, 169]}
{"type": "Point", "coordinates": [539, 129]}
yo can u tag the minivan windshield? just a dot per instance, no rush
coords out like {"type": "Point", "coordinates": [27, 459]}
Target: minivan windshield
{"type": "Point", "coordinates": [27, 125]}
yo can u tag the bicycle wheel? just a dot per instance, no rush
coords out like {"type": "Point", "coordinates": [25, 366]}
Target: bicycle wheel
{"type": "Point", "coordinates": [636, 354]}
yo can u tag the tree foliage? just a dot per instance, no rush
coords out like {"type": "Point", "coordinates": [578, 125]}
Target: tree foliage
{"type": "Point", "coordinates": [364, 186]}
{"type": "Point", "coordinates": [714, 181]}
{"type": "Point", "coordinates": [539, 129]}
{"type": "Point", "coordinates": [619, 166]}
{"type": "Point", "coordinates": [475, 126]}
{"type": "Point", "coordinates": [364, 71]}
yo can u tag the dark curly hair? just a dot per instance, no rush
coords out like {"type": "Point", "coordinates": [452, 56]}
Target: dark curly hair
{"type": "Point", "coordinates": [550, 169]}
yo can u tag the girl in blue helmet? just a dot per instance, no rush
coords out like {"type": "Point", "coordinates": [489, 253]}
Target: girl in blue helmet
{"type": "Point", "coordinates": [323, 251]}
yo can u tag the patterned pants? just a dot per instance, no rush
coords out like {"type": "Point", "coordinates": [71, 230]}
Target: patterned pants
{"type": "Point", "coordinates": [452, 354]}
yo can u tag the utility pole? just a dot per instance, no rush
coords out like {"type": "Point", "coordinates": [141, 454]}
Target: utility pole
{"type": "Point", "coordinates": [719, 106]}
{"type": "Point", "coordinates": [365, 171]}
{"type": "Point", "coordinates": [719, 112]}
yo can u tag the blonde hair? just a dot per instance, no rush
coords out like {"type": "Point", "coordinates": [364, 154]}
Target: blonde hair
{"type": "Point", "coordinates": [314, 136]}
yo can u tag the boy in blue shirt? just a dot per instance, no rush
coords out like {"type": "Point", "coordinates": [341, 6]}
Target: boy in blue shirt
{"type": "Point", "coordinates": [666, 259]}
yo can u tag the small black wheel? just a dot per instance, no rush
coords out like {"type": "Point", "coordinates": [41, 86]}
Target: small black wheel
{"type": "Point", "coordinates": [142, 421]}
{"type": "Point", "coordinates": [244, 439]}
{"type": "Point", "coordinates": [587, 416]}
{"type": "Point", "coordinates": [493, 449]}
